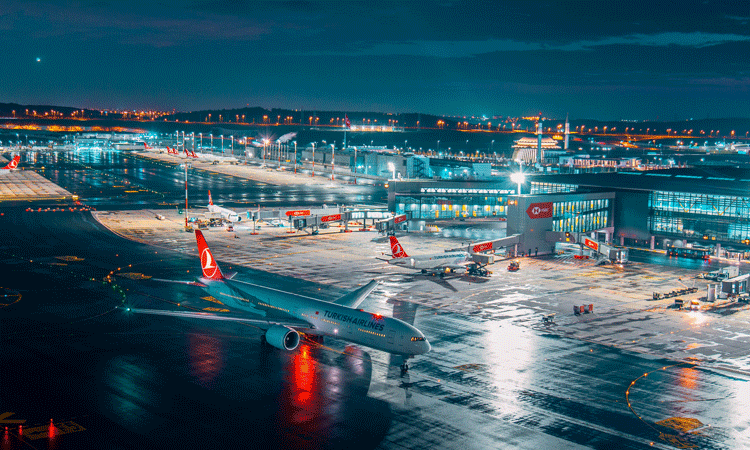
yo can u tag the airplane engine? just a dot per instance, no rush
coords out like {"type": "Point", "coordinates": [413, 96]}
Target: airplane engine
{"type": "Point", "coordinates": [282, 337]}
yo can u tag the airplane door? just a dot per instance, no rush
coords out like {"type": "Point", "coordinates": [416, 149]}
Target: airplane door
{"type": "Point", "coordinates": [391, 336]}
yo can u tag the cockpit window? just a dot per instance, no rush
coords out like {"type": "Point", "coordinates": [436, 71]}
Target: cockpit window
{"type": "Point", "coordinates": [417, 338]}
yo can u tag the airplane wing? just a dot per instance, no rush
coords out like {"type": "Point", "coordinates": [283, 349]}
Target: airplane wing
{"type": "Point", "coordinates": [261, 322]}
{"type": "Point", "coordinates": [189, 283]}
{"type": "Point", "coordinates": [355, 298]}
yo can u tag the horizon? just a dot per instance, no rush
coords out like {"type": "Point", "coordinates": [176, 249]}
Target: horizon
{"type": "Point", "coordinates": [455, 59]}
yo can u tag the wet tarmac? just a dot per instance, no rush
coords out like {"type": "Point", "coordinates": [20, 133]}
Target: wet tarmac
{"type": "Point", "coordinates": [110, 179]}
{"type": "Point", "coordinates": [82, 374]}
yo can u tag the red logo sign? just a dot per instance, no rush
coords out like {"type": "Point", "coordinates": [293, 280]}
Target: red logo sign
{"type": "Point", "coordinates": [399, 219]}
{"type": "Point", "coordinates": [331, 218]}
{"type": "Point", "coordinates": [539, 210]}
{"type": "Point", "coordinates": [298, 213]}
{"type": "Point", "coordinates": [589, 243]}
{"type": "Point", "coordinates": [483, 247]}
{"type": "Point", "coordinates": [207, 264]}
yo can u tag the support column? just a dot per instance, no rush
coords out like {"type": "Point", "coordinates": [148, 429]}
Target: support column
{"type": "Point", "coordinates": [651, 245]}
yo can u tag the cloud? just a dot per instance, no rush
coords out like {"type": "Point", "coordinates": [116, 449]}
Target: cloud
{"type": "Point", "coordinates": [459, 49]}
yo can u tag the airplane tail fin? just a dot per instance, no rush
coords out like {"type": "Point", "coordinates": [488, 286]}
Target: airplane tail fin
{"type": "Point", "coordinates": [396, 250]}
{"type": "Point", "coordinates": [208, 263]}
{"type": "Point", "coordinates": [210, 200]}
{"type": "Point", "coordinates": [146, 145]}
{"type": "Point", "coordinates": [186, 152]}
{"type": "Point", "coordinates": [192, 153]}
{"type": "Point", "coordinates": [13, 163]}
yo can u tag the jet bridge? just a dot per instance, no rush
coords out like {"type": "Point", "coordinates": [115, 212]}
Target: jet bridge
{"type": "Point", "coordinates": [483, 252]}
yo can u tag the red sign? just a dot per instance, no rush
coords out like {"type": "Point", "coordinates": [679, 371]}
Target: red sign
{"type": "Point", "coordinates": [331, 218]}
{"type": "Point", "coordinates": [301, 212]}
{"type": "Point", "coordinates": [399, 219]}
{"type": "Point", "coordinates": [539, 210]}
{"type": "Point", "coordinates": [592, 244]}
{"type": "Point", "coordinates": [483, 247]}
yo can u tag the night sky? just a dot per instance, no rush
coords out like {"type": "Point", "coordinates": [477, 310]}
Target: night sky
{"type": "Point", "coordinates": [608, 60]}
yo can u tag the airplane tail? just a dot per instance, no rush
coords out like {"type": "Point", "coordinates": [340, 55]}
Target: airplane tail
{"type": "Point", "coordinates": [146, 145]}
{"type": "Point", "coordinates": [208, 263]}
{"type": "Point", "coordinates": [210, 200]}
{"type": "Point", "coordinates": [169, 150]}
{"type": "Point", "coordinates": [186, 152]}
{"type": "Point", "coordinates": [396, 250]}
{"type": "Point", "coordinates": [13, 163]}
{"type": "Point", "coordinates": [192, 153]}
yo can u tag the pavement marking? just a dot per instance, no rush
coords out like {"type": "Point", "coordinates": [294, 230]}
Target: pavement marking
{"type": "Point", "coordinates": [4, 419]}
{"type": "Point", "coordinates": [51, 430]}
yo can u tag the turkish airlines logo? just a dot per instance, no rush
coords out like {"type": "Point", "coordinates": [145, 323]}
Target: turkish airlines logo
{"type": "Point", "coordinates": [482, 247]}
{"type": "Point", "coordinates": [207, 264]}
{"type": "Point", "coordinates": [397, 250]}
{"type": "Point", "coordinates": [13, 164]}
{"type": "Point", "coordinates": [539, 210]}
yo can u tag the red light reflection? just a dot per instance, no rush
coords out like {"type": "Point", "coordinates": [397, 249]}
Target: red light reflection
{"type": "Point", "coordinates": [206, 358]}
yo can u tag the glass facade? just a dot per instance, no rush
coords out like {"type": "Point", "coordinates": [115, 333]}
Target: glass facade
{"type": "Point", "coordinates": [450, 203]}
{"type": "Point", "coordinates": [551, 188]}
{"type": "Point", "coordinates": [700, 216]}
{"type": "Point", "coordinates": [581, 215]}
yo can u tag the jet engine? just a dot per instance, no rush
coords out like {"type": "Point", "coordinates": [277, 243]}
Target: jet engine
{"type": "Point", "coordinates": [282, 337]}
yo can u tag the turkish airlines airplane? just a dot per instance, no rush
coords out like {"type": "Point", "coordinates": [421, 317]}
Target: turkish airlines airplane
{"type": "Point", "coordinates": [284, 315]}
{"type": "Point", "coordinates": [12, 165]}
{"type": "Point", "coordinates": [226, 214]}
{"type": "Point", "coordinates": [438, 263]}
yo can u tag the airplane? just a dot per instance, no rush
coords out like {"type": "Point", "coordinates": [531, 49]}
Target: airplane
{"type": "Point", "coordinates": [171, 151]}
{"type": "Point", "coordinates": [435, 264]}
{"type": "Point", "coordinates": [284, 315]}
{"type": "Point", "coordinates": [226, 214]}
{"type": "Point", "coordinates": [12, 165]}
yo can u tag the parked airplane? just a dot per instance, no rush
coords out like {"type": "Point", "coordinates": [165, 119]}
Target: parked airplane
{"type": "Point", "coordinates": [284, 314]}
{"type": "Point", "coordinates": [12, 165]}
{"type": "Point", "coordinates": [439, 263]}
{"type": "Point", "coordinates": [226, 214]}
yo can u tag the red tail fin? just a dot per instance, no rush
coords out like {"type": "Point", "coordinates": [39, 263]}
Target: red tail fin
{"type": "Point", "coordinates": [396, 250]}
{"type": "Point", "coordinates": [210, 201]}
{"type": "Point", "coordinates": [208, 263]}
{"type": "Point", "coordinates": [13, 163]}
{"type": "Point", "coordinates": [192, 153]}
{"type": "Point", "coordinates": [146, 145]}
{"type": "Point", "coordinates": [186, 153]}
{"type": "Point", "coordinates": [169, 150]}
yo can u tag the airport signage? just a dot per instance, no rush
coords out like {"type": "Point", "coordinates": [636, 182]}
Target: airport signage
{"type": "Point", "coordinates": [539, 210]}
{"type": "Point", "coordinates": [298, 213]}
{"type": "Point", "coordinates": [331, 218]}
{"type": "Point", "coordinates": [591, 244]}
{"type": "Point", "coordinates": [399, 219]}
{"type": "Point", "coordinates": [483, 247]}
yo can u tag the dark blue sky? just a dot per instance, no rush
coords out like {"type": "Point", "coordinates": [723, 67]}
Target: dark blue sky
{"type": "Point", "coordinates": [597, 59]}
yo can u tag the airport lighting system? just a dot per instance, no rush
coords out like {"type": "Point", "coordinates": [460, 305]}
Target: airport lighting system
{"type": "Point", "coordinates": [518, 178]}
{"type": "Point", "coordinates": [333, 160]}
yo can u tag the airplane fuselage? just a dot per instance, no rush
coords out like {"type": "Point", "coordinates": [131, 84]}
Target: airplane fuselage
{"type": "Point", "coordinates": [326, 319]}
{"type": "Point", "coordinates": [428, 262]}
{"type": "Point", "coordinates": [225, 213]}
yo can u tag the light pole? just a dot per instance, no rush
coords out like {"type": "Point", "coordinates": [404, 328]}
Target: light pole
{"type": "Point", "coordinates": [518, 178]}
{"type": "Point", "coordinates": [186, 194]}
{"type": "Point", "coordinates": [200, 147]}
{"type": "Point", "coordinates": [333, 160]}
{"type": "Point", "coordinates": [355, 165]}
{"type": "Point", "coordinates": [265, 143]}
{"type": "Point", "coordinates": [231, 143]}
{"type": "Point", "coordinates": [313, 158]}
{"type": "Point", "coordinates": [212, 142]}
{"type": "Point", "coordinates": [438, 147]}
{"type": "Point", "coordinates": [295, 157]}
{"type": "Point", "coordinates": [222, 145]}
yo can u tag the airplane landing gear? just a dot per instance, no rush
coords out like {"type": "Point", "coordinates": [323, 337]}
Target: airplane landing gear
{"type": "Point", "coordinates": [404, 369]}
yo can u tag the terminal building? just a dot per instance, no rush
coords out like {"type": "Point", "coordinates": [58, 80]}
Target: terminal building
{"type": "Point", "coordinates": [660, 209]}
